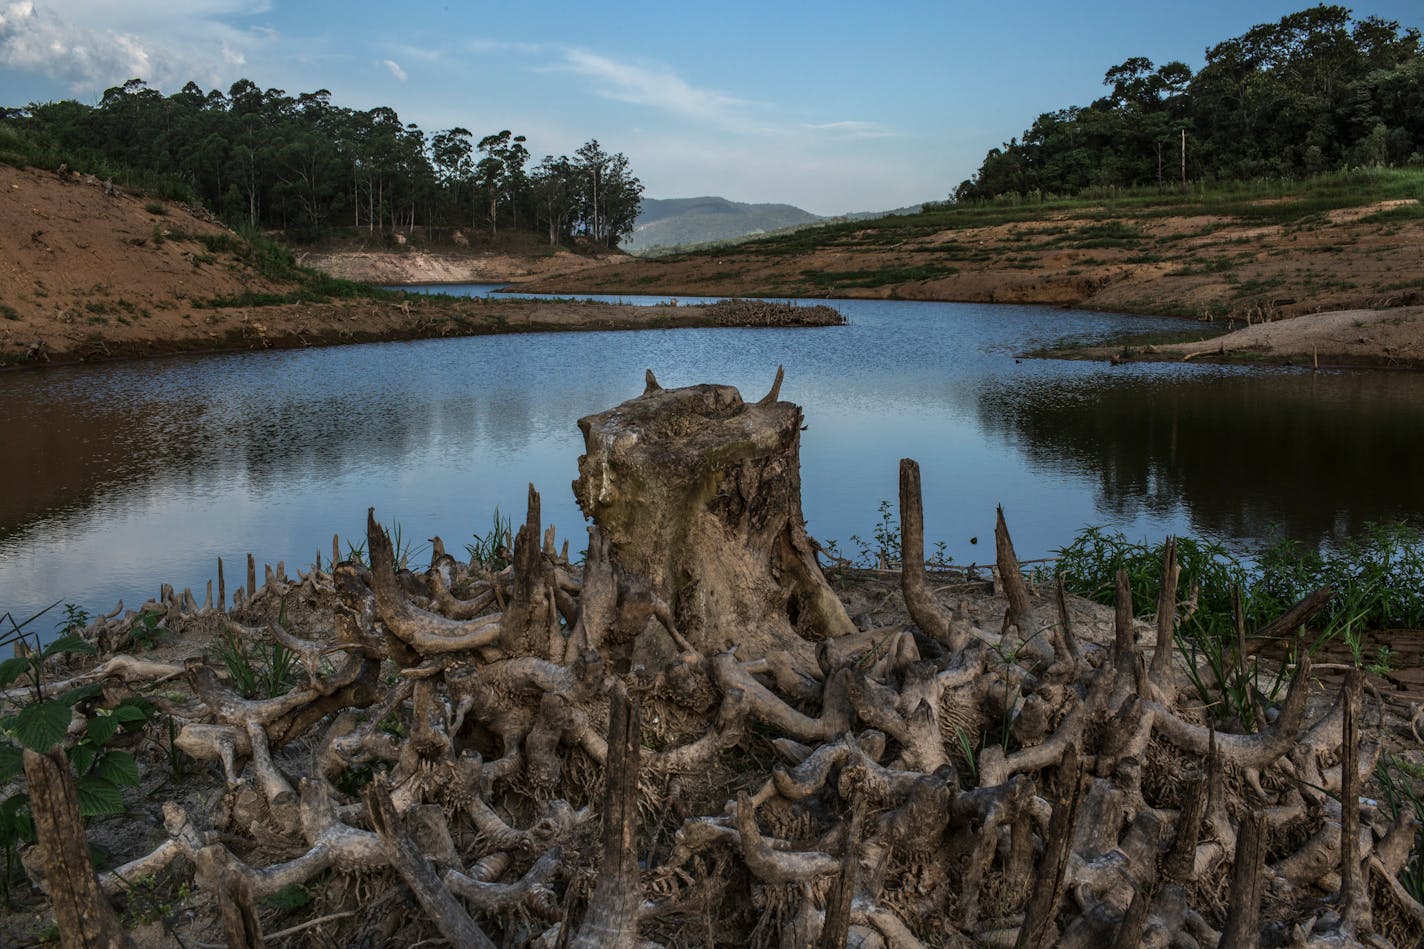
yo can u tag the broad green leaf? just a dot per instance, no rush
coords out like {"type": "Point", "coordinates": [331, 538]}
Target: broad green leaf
{"type": "Point", "coordinates": [118, 767]}
{"type": "Point", "coordinates": [290, 897]}
{"type": "Point", "coordinates": [12, 669]}
{"type": "Point", "coordinates": [98, 796]}
{"type": "Point", "coordinates": [80, 693]}
{"type": "Point", "coordinates": [82, 758]}
{"type": "Point", "coordinates": [69, 643]}
{"type": "Point", "coordinates": [12, 761]}
{"type": "Point", "coordinates": [132, 711]}
{"type": "Point", "coordinates": [16, 824]}
{"type": "Point", "coordinates": [42, 725]}
{"type": "Point", "coordinates": [102, 727]}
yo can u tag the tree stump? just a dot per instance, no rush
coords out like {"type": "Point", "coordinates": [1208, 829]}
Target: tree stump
{"type": "Point", "coordinates": [85, 918]}
{"type": "Point", "coordinates": [699, 494]}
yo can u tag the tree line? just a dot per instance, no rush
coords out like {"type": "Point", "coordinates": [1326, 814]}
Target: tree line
{"type": "Point", "coordinates": [1317, 91]}
{"type": "Point", "coordinates": [305, 166]}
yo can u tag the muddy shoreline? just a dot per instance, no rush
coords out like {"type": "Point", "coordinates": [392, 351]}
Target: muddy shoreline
{"type": "Point", "coordinates": [1343, 339]}
{"type": "Point", "coordinates": [306, 325]}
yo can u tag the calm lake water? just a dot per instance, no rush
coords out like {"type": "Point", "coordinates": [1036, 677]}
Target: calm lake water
{"type": "Point", "coordinates": [121, 477]}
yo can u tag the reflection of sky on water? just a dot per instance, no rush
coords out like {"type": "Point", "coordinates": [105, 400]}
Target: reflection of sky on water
{"type": "Point", "coordinates": [146, 472]}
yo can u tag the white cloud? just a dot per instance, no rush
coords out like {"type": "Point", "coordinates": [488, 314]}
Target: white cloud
{"type": "Point", "coordinates": [656, 86]}
{"type": "Point", "coordinates": [394, 68]}
{"type": "Point", "coordinates": [91, 44]}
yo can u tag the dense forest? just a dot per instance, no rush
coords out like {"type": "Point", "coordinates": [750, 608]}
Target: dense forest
{"type": "Point", "coordinates": [264, 159]}
{"type": "Point", "coordinates": [1316, 91]}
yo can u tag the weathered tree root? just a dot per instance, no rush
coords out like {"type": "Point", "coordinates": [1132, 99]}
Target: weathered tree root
{"type": "Point", "coordinates": [767, 772]}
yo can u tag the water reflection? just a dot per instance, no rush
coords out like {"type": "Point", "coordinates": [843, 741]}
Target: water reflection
{"type": "Point", "coordinates": [124, 476]}
{"type": "Point", "coordinates": [1312, 456]}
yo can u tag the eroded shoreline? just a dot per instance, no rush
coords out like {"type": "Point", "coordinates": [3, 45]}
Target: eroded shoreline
{"type": "Point", "coordinates": [304, 325]}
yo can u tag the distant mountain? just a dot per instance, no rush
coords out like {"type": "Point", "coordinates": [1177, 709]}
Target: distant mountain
{"type": "Point", "coordinates": [872, 215]}
{"type": "Point", "coordinates": [677, 222]}
{"type": "Point", "coordinates": [696, 222]}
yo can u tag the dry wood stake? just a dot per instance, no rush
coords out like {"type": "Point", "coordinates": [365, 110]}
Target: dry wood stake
{"type": "Point", "coordinates": [84, 916]}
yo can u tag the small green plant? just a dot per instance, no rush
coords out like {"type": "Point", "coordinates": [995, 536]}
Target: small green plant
{"type": "Point", "coordinates": [392, 725]}
{"type": "Point", "coordinates": [8, 312]}
{"type": "Point", "coordinates": [155, 207]}
{"type": "Point", "coordinates": [1383, 663]}
{"type": "Point", "coordinates": [940, 559]}
{"type": "Point", "coordinates": [356, 553]}
{"type": "Point", "coordinates": [966, 747]}
{"type": "Point", "coordinates": [153, 899]}
{"type": "Point", "coordinates": [291, 897]}
{"type": "Point", "coordinates": [884, 550]}
{"type": "Point", "coordinates": [145, 631]}
{"type": "Point", "coordinates": [259, 670]}
{"type": "Point", "coordinates": [493, 550]}
{"type": "Point", "coordinates": [404, 549]}
{"type": "Point", "coordinates": [41, 721]}
{"type": "Point", "coordinates": [1398, 779]}
{"type": "Point", "coordinates": [352, 779]}
{"type": "Point", "coordinates": [176, 758]}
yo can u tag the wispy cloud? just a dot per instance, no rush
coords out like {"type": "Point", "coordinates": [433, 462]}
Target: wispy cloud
{"type": "Point", "coordinates": [854, 129]}
{"type": "Point", "coordinates": [502, 46]}
{"type": "Point", "coordinates": [394, 69]}
{"type": "Point", "coordinates": [658, 87]}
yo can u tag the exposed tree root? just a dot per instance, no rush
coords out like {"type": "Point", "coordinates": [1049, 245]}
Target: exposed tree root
{"type": "Point", "coordinates": [685, 740]}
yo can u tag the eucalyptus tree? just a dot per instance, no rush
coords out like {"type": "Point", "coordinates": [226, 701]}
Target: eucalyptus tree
{"type": "Point", "coordinates": [1315, 90]}
{"type": "Point", "coordinates": [500, 173]}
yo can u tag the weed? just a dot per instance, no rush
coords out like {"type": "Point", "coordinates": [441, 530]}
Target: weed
{"type": "Point", "coordinates": [966, 747]}
{"type": "Point", "coordinates": [42, 722]}
{"type": "Point", "coordinates": [404, 548]}
{"type": "Point", "coordinates": [9, 312]}
{"type": "Point", "coordinates": [258, 670]}
{"type": "Point", "coordinates": [1393, 773]}
{"type": "Point", "coordinates": [493, 549]}
{"type": "Point", "coordinates": [352, 779]}
{"type": "Point", "coordinates": [293, 896]}
{"type": "Point", "coordinates": [145, 631]}
{"type": "Point", "coordinates": [155, 207]}
{"type": "Point", "coordinates": [885, 554]}
{"type": "Point", "coordinates": [1383, 663]}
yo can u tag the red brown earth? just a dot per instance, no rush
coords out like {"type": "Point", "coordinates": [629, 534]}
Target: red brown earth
{"type": "Point", "coordinates": [86, 275]}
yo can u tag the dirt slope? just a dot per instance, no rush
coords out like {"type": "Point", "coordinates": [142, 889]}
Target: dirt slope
{"type": "Point", "coordinates": [1190, 264]}
{"type": "Point", "coordinates": [89, 275]}
{"type": "Point", "coordinates": [419, 266]}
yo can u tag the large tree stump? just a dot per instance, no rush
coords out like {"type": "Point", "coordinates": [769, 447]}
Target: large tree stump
{"type": "Point", "coordinates": [699, 494]}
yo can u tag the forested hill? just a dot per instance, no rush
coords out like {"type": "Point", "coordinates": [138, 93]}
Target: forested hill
{"type": "Point", "coordinates": [1317, 91]}
{"type": "Point", "coordinates": [677, 222]}
{"type": "Point", "coordinates": [308, 167]}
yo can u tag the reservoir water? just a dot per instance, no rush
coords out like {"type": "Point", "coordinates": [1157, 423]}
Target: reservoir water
{"type": "Point", "coordinates": [123, 476]}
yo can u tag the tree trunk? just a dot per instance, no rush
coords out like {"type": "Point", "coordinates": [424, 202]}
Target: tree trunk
{"type": "Point", "coordinates": [699, 493]}
{"type": "Point", "coordinates": [85, 918]}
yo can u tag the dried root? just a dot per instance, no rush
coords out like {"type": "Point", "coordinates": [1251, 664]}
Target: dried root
{"type": "Point", "coordinates": [688, 736]}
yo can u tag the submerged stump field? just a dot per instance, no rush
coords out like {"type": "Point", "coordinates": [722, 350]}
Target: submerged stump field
{"type": "Point", "coordinates": [686, 739]}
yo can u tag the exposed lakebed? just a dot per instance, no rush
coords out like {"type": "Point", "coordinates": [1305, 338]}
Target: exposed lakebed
{"type": "Point", "coordinates": [123, 476]}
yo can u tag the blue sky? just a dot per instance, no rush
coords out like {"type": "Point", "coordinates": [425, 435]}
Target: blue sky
{"type": "Point", "coordinates": [831, 106]}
